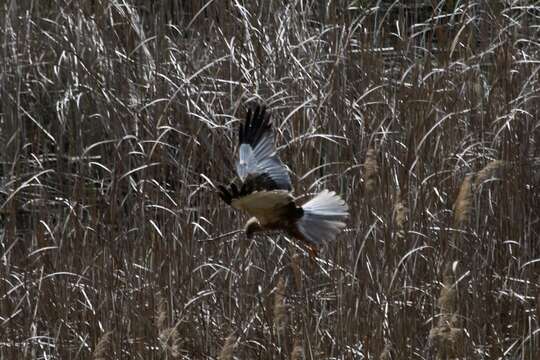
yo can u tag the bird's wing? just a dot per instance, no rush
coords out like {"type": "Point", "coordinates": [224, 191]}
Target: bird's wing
{"type": "Point", "coordinates": [258, 160]}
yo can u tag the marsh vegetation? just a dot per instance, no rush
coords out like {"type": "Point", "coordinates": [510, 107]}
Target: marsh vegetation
{"type": "Point", "coordinates": [117, 116]}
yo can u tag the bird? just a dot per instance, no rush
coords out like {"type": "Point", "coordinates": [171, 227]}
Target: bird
{"type": "Point", "coordinates": [263, 189]}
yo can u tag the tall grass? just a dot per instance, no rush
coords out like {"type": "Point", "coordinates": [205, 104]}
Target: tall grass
{"type": "Point", "coordinates": [118, 117]}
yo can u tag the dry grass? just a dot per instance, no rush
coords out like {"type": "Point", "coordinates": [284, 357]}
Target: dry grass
{"type": "Point", "coordinates": [117, 118]}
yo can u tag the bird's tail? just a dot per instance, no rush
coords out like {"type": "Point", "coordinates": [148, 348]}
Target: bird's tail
{"type": "Point", "coordinates": [323, 218]}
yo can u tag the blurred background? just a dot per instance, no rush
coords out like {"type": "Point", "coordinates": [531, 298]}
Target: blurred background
{"type": "Point", "coordinates": [117, 118]}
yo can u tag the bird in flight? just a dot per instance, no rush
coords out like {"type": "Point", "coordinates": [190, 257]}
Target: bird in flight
{"type": "Point", "coordinates": [263, 189]}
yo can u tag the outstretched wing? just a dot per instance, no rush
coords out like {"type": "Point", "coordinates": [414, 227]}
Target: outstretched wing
{"type": "Point", "coordinates": [258, 161]}
{"type": "Point", "coordinates": [264, 187]}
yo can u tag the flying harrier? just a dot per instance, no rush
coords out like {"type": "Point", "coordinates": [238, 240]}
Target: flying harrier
{"type": "Point", "coordinates": [263, 190]}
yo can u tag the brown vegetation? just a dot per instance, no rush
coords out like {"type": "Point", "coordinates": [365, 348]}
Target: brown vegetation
{"type": "Point", "coordinates": [117, 118]}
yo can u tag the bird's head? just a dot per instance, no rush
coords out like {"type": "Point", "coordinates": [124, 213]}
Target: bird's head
{"type": "Point", "coordinates": [251, 227]}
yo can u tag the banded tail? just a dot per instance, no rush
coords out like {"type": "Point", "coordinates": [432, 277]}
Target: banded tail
{"type": "Point", "coordinates": [323, 218]}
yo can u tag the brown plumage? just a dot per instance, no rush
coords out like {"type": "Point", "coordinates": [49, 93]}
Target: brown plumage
{"type": "Point", "coordinates": [263, 189]}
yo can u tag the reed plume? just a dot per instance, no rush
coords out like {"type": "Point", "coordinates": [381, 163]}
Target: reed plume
{"type": "Point", "coordinates": [386, 354]}
{"type": "Point", "coordinates": [103, 348]}
{"type": "Point", "coordinates": [462, 205]}
{"type": "Point", "coordinates": [371, 171]}
{"type": "Point", "coordinates": [298, 350]}
{"type": "Point", "coordinates": [400, 215]}
{"type": "Point", "coordinates": [448, 338]}
{"type": "Point", "coordinates": [489, 171]}
{"type": "Point", "coordinates": [227, 350]}
{"type": "Point", "coordinates": [167, 336]}
{"type": "Point", "coordinates": [280, 308]}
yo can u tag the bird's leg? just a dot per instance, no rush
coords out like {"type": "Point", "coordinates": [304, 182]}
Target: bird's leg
{"type": "Point", "coordinates": [312, 251]}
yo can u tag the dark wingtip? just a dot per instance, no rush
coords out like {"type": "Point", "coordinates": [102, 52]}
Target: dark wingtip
{"type": "Point", "coordinates": [257, 123]}
{"type": "Point", "coordinates": [244, 127]}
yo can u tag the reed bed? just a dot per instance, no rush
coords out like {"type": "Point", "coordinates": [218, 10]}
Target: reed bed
{"type": "Point", "coordinates": [118, 118]}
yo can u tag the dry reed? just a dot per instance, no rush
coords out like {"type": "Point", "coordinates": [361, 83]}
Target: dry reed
{"type": "Point", "coordinates": [168, 336]}
{"type": "Point", "coordinates": [463, 203]}
{"type": "Point", "coordinates": [386, 354]}
{"type": "Point", "coordinates": [400, 215]}
{"type": "Point", "coordinates": [489, 171]}
{"type": "Point", "coordinates": [227, 351]}
{"type": "Point", "coordinates": [103, 350]}
{"type": "Point", "coordinates": [371, 171]}
{"type": "Point", "coordinates": [448, 338]}
{"type": "Point", "coordinates": [280, 307]}
{"type": "Point", "coordinates": [296, 268]}
{"type": "Point", "coordinates": [119, 118]}
{"type": "Point", "coordinates": [297, 351]}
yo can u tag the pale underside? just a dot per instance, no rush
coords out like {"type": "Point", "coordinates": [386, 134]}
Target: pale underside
{"type": "Point", "coordinates": [266, 206]}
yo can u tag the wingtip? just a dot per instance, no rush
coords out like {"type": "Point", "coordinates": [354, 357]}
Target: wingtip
{"type": "Point", "coordinates": [258, 106]}
{"type": "Point", "coordinates": [256, 124]}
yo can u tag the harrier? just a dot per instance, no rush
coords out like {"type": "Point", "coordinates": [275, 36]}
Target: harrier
{"type": "Point", "coordinates": [263, 190]}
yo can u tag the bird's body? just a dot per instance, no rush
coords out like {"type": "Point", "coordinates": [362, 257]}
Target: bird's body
{"type": "Point", "coordinates": [263, 190]}
{"type": "Point", "coordinates": [269, 207]}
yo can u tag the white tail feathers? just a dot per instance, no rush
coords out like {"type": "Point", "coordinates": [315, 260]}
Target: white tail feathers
{"type": "Point", "coordinates": [323, 218]}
